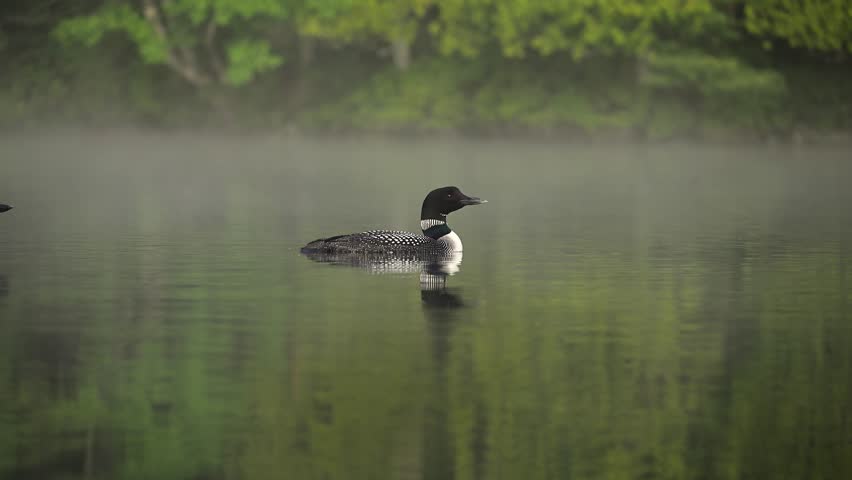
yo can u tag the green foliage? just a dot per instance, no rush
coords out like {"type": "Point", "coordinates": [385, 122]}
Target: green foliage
{"type": "Point", "coordinates": [247, 58]}
{"type": "Point", "coordinates": [174, 33]}
{"type": "Point", "coordinates": [348, 20]}
{"type": "Point", "coordinates": [820, 25]}
{"type": "Point", "coordinates": [536, 97]}
{"type": "Point", "coordinates": [224, 12]}
{"type": "Point", "coordinates": [581, 28]}
{"type": "Point", "coordinates": [586, 66]}
{"type": "Point", "coordinates": [709, 75]}
{"type": "Point", "coordinates": [428, 97]}
{"type": "Point", "coordinates": [79, 86]}
{"type": "Point", "coordinates": [91, 29]}
{"type": "Point", "coordinates": [590, 98]}
{"type": "Point", "coordinates": [725, 90]}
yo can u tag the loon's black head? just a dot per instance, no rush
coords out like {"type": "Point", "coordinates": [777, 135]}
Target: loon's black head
{"type": "Point", "coordinates": [5, 208]}
{"type": "Point", "coordinates": [443, 201]}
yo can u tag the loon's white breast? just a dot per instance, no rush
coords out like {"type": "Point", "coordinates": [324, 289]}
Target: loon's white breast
{"type": "Point", "coordinates": [453, 242]}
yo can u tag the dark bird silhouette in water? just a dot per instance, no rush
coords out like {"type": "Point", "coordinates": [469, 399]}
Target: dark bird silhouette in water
{"type": "Point", "coordinates": [5, 208]}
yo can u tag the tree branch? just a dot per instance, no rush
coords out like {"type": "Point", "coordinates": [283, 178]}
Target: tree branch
{"type": "Point", "coordinates": [186, 68]}
{"type": "Point", "coordinates": [210, 44]}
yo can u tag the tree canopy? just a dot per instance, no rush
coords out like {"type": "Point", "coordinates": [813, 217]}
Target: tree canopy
{"type": "Point", "coordinates": [183, 34]}
{"type": "Point", "coordinates": [438, 64]}
{"type": "Point", "coordinates": [819, 25]}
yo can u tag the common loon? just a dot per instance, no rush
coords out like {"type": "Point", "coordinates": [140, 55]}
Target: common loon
{"type": "Point", "coordinates": [437, 238]}
{"type": "Point", "coordinates": [5, 208]}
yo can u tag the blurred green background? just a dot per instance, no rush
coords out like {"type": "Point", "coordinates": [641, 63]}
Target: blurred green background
{"type": "Point", "coordinates": [604, 69]}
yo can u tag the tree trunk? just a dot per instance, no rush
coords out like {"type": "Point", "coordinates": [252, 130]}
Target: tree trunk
{"type": "Point", "coordinates": [181, 60]}
{"type": "Point", "coordinates": [301, 88]}
{"type": "Point", "coordinates": [646, 96]}
{"type": "Point", "coordinates": [218, 100]}
{"type": "Point", "coordinates": [307, 48]}
{"type": "Point", "coordinates": [401, 51]}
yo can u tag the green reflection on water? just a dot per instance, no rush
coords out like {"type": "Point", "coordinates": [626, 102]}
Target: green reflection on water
{"type": "Point", "coordinates": [628, 338]}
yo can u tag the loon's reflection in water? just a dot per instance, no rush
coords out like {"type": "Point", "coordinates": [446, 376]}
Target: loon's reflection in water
{"type": "Point", "coordinates": [441, 306]}
{"type": "Point", "coordinates": [434, 271]}
{"type": "Point", "coordinates": [393, 263]}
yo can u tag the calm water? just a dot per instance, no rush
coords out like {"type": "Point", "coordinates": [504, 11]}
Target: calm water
{"type": "Point", "coordinates": [618, 313]}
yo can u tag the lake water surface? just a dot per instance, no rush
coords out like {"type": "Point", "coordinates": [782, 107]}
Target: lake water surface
{"type": "Point", "coordinates": [621, 313]}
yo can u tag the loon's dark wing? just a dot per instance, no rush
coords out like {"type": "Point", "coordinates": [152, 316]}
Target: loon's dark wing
{"type": "Point", "coordinates": [372, 241]}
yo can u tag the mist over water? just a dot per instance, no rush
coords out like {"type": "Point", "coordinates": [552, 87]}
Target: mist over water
{"type": "Point", "coordinates": [624, 312]}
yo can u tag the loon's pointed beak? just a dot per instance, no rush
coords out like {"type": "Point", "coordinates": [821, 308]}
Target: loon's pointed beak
{"type": "Point", "coordinates": [473, 201]}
